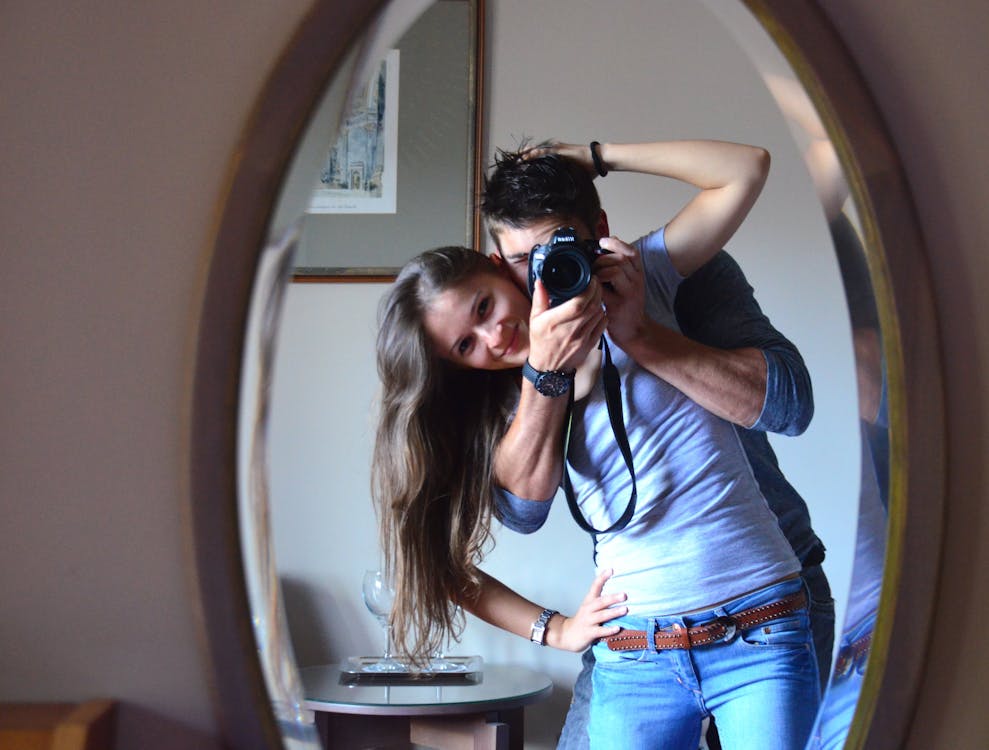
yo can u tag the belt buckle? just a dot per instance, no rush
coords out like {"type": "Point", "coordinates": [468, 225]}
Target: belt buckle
{"type": "Point", "coordinates": [728, 622]}
{"type": "Point", "coordinates": [843, 664]}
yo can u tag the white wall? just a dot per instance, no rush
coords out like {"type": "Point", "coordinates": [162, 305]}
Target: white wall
{"type": "Point", "coordinates": [682, 75]}
{"type": "Point", "coordinates": [118, 125]}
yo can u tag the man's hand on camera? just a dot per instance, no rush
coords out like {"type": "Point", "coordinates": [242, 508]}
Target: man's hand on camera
{"type": "Point", "coordinates": [623, 290]}
{"type": "Point", "coordinates": [561, 337]}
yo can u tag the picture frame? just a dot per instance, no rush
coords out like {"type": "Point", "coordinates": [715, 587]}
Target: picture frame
{"type": "Point", "coordinates": [437, 161]}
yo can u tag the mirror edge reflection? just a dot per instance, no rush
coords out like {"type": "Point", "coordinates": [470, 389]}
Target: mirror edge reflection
{"type": "Point", "coordinates": [896, 260]}
{"type": "Point", "coordinates": [898, 266]}
{"type": "Point", "coordinates": [284, 106]}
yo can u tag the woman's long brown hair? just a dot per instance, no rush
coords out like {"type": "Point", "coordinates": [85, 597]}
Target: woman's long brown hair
{"type": "Point", "coordinates": [432, 466]}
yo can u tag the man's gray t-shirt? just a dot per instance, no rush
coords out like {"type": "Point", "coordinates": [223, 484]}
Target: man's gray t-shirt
{"type": "Point", "coordinates": [702, 532]}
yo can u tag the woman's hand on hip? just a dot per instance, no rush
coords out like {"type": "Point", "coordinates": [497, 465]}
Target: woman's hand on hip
{"type": "Point", "coordinates": [585, 627]}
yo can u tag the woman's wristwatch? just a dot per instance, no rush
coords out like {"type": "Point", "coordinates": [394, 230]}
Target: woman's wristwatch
{"type": "Point", "coordinates": [538, 634]}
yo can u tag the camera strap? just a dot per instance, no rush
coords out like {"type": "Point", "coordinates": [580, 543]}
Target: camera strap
{"type": "Point", "coordinates": [613, 397]}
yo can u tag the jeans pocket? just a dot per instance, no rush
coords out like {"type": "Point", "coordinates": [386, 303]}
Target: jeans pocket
{"type": "Point", "coordinates": [605, 657]}
{"type": "Point", "coordinates": [791, 631]}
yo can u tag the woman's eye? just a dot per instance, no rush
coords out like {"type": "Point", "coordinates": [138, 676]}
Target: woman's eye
{"type": "Point", "coordinates": [463, 347]}
{"type": "Point", "coordinates": [482, 307]}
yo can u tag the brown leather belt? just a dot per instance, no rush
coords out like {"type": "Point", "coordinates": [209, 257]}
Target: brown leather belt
{"type": "Point", "coordinates": [852, 656]}
{"type": "Point", "coordinates": [724, 628]}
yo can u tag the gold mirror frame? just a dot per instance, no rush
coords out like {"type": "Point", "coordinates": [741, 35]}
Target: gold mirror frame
{"type": "Point", "coordinates": [899, 270]}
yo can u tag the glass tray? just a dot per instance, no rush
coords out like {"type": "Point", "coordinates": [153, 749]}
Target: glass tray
{"type": "Point", "coordinates": [467, 670]}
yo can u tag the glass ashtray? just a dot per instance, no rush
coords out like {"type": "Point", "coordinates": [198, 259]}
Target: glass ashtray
{"type": "Point", "coordinates": [449, 670]}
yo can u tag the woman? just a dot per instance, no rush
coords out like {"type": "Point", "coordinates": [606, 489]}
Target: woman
{"type": "Point", "coordinates": [458, 423]}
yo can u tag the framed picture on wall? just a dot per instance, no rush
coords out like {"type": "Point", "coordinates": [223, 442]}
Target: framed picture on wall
{"type": "Point", "coordinates": [401, 171]}
{"type": "Point", "coordinates": [359, 173]}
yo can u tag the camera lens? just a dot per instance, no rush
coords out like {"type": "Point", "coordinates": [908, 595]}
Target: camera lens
{"type": "Point", "coordinates": [562, 273]}
{"type": "Point", "coordinates": [565, 273]}
{"type": "Point", "coordinates": [563, 265]}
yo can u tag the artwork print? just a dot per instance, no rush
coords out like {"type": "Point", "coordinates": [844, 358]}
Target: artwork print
{"type": "Point", "coordinates": [358, 175]}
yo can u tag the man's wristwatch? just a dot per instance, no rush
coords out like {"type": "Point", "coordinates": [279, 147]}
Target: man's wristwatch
{"type": "Point", "coordinates": [538, 634]}
{"type": "Point", "coordinates": [548, 382]}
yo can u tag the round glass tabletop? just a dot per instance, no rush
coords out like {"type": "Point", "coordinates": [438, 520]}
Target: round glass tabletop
{"type": "Point", "coordinates": [494, 687]}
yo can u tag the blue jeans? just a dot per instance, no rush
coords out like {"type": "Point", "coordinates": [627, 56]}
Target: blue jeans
{"type": "Point", "coordinates": [761, 685]}
{"type": "Point", "coordinates": [821, 618]}
{"type": "Point", "coordinates": [574, 734]}
{"type": "Point", "coordinates": [841, 698]}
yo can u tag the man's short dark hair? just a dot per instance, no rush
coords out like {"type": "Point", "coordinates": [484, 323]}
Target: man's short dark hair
{"type": "Point", "coordinates": [518, 190]}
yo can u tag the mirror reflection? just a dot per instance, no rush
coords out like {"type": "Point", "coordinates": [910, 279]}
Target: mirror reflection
{"type": "Point", "coordinates": [654, 80]}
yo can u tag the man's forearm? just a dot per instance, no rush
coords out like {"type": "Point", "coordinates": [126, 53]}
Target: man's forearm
{"type": "Point", "coordinates": [730, 383]}
{"type": "Point", "coordinates": [715, 306]}
{"type": "Point", "coordinates": [730, 177]}
{"type": "Point", "coordinates": [703, 163]}
{"type": "Point", "coordinates": [529, 459]}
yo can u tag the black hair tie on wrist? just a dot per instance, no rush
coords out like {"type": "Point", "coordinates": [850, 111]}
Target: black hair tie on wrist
{"type": "Point", "coordinates": [596, 158]}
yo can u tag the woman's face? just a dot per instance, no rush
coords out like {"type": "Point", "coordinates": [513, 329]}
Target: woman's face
{"type": "Point", "coordinates": [481, 323]}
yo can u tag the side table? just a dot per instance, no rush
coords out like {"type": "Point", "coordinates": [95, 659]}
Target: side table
{"type": "Point", "coordinates": [489, 713]}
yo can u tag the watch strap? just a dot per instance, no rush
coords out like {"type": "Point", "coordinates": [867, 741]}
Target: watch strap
{"type": "Point", "coordinates": [538, 633]}
{"type": "Point", "coordinates": [530, 373]}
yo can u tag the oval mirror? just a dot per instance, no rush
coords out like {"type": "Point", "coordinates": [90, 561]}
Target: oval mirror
{"type": "Point", "coordinates": [835, 264]}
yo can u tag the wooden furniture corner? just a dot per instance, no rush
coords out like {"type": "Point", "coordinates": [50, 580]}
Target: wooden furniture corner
{"type": "Point", "coordinates": [57, 726]}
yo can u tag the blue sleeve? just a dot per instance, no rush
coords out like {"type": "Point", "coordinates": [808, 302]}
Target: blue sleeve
{"type": "Point", "coordinates": [716, 306]}
{"type": "Point", "coordinates": [789, 404]}
{"type": "Point", "coordinates": [518, 514]}
{"type": "Point", "coordinates": [662, 279]}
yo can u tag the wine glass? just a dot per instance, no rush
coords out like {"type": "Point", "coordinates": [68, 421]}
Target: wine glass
{"type": "Point", "coordinates": [378, 597]}
{"type": "Point", "coordinates": [438, 662]}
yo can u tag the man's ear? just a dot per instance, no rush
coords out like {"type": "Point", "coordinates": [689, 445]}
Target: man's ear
{"type": "Point", "coordinates": [497, 259]}
{"type": "Point", "coordinates": [602, 229]}
{"type": "Point", "coordinates": [501, 266]}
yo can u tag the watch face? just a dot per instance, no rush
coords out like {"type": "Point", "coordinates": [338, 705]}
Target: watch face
{"type": "Point", "coordinates": [552, 383]}
{"type": "Point", "coordinates": [538, 635]}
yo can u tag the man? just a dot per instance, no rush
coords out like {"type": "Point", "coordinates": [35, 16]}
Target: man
{"type": "Point", "coordinates": [734, 354]}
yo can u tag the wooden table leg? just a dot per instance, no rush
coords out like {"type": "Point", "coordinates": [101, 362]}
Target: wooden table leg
{"type": "Point", "coordinates": [354, 732]}
{"type": "Point", "coordinates": [493, 730]}
{"type": "Point", "coordinates": [461, 733]}
{"type": "Point", "coordinates": [515, 719]}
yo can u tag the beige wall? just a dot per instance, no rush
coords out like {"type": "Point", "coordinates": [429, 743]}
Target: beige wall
{"type": "Point", "coordinates": [119, 122]}
{"type": "Point", "coordinates": [118, 125]}
{"type": "Point", "coordinates": [927, 63]}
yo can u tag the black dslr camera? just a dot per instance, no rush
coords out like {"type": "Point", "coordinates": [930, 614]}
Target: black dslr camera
{"type": "Point", "coordinates": [563, 265]}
